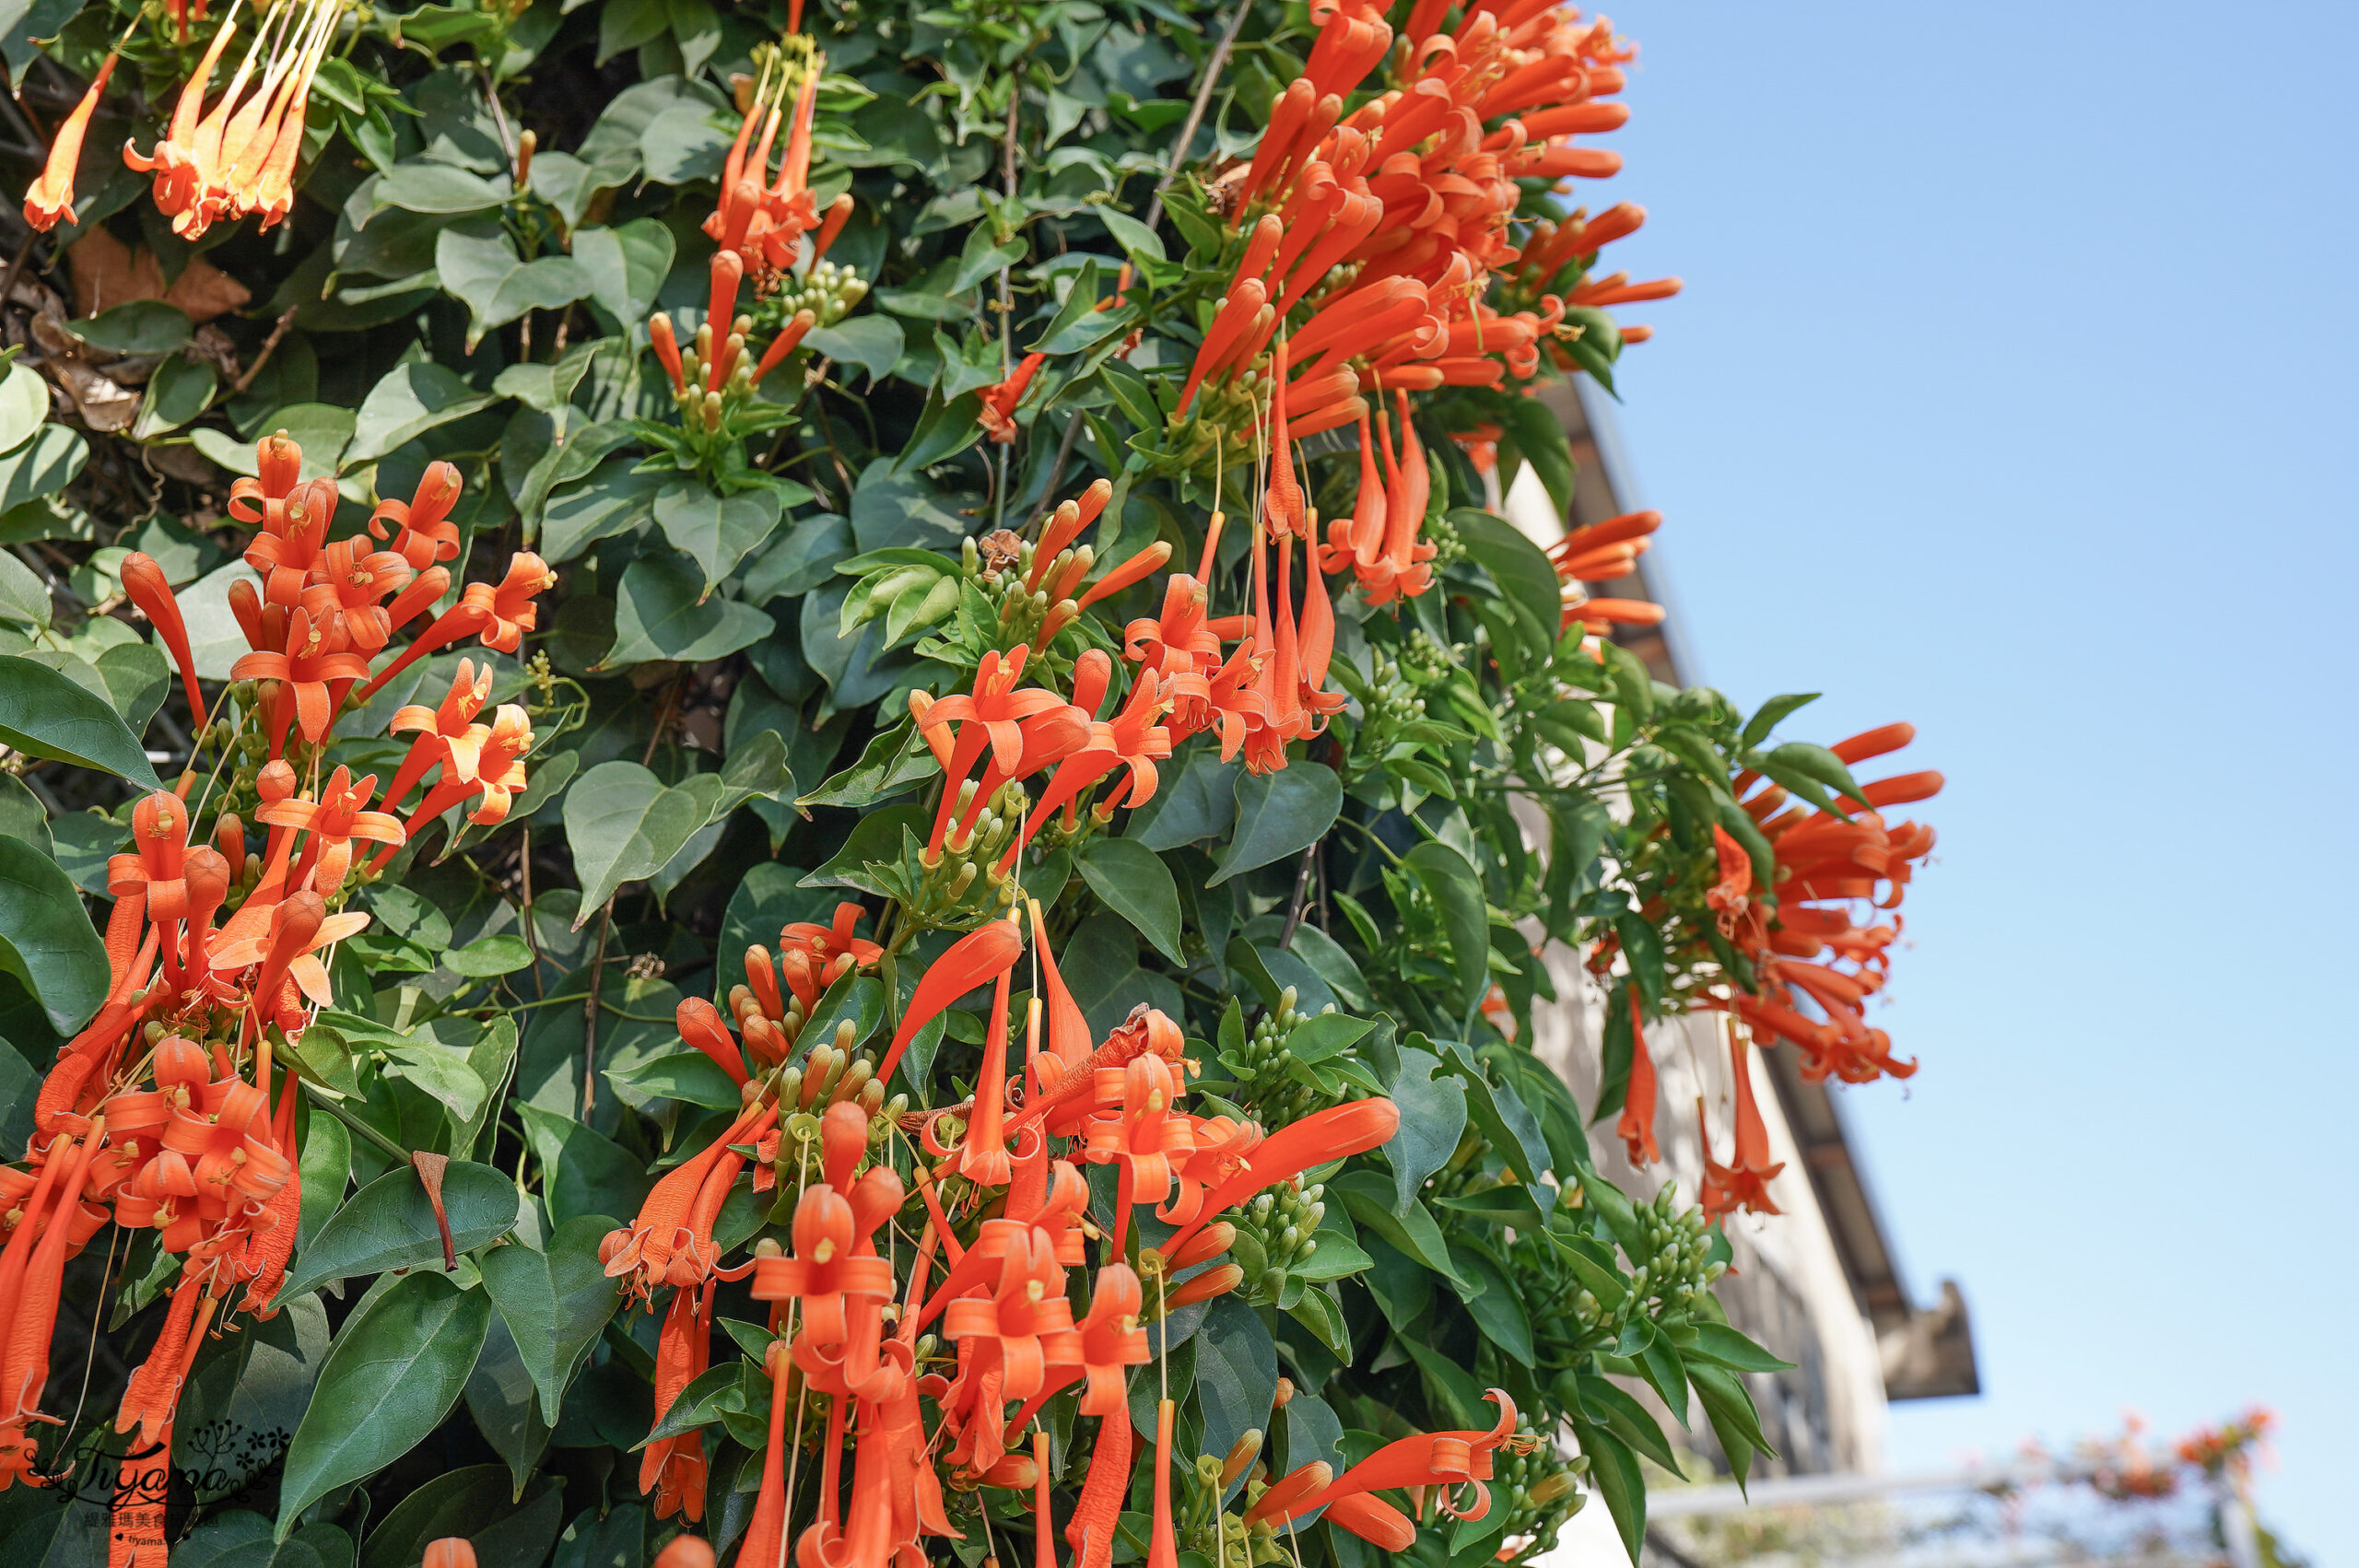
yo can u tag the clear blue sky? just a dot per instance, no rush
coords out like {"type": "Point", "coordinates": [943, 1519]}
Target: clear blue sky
{"type": "Point", "coordinates": [2012, 394]}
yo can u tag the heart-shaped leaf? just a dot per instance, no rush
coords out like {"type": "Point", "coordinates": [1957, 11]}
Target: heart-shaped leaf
{"type": "Point", "coordinates": [1280, 814]}
{"type": "Point", "coordinates": [553, 1301]}
{"type": "Point", "coordinates": [716, 531]}
{"type": "Point", "coordinates": [623, 823]}
{"type": "Point", "coordinates": [662, 612]}
{"type": "Point", "coordinates": [500, 286]}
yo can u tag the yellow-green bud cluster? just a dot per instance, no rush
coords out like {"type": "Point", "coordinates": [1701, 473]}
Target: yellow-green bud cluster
{"type": "Point", "coordinates": [708, 411]}
{"type": "Point", "coordinates": [1540, 1489]}
{"type": "Point", "coordinates": [1276, 1233]}
{"type": "Point", "coordinates": [963, 876]}
{"type": "Point", "coordinates": [828, 291]}
{"type": "Point", "coordinates": [1269, 1086]}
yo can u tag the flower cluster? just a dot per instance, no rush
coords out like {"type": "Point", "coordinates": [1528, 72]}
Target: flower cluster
{"type": "Point", "coordinates": [851, 1330]}
{"type": "Point", "coordinates": [173, 1110]}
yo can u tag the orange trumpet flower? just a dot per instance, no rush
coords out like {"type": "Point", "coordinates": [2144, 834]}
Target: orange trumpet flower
{"type": "Point", "coordinates": [50, 197]}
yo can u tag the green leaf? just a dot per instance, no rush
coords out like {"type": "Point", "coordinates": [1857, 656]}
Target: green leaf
{"type": "Point", "coordinates": [1773, 713]}
{"type": "Point", "coordinates": [661, 612]}
{"type": "Point", "coordinates": [43, 714]}
{"type": "Point", "coordinates": [627, 24]}
{"type": "Point", "coordinates": [326, 1172]}
{"type": "Point", "coordinates": [874, 839]}
{"type": "Point", "coordinates": [618, 1539]}
{"type": "Point", "coordinates": [716, 532]}
{"type": "Point", "coordinates": [1458, 1392]}
{"type": "Point", "coordinates": [1137, 241]}
{"type": "Point", "coordinates": [179, 390]}
{"type": "Point", "coordinates": [1813, 762]}
{"type": "Point", "coordinates": [1506, 1122]}
{"type": "Point", "coordinates": [45, 464]}
{"type": "Point", "coordinates": [23, 817]}
{"type": "Point", "coordinates": [1631, 1422]}
{"type": "Point", "coordinates": [1412, 1230]}
{"type": "Point", "coordinates": [1081, 301]}
{"type": "Point", "coordinates": [683, 143]}
{"type": "Point", "coordinates": [443, 1074]}
{"type": "Point", "coordinates": [687, 1075]}
{"type": "Point", "coordinates": [1457, 894]}
{"type": "Point", "coordinates": [626, 265]}
{"type": "Point", "coordinates": [24, 598]}
{"type": "Point", "coordinates": [484, 957]}
{"type": "Point", "coordinates": [584, 1172]}
{"type": "Point", "coordinates": [1433, 1114]}
{"type": "Point", "coordinates": [554, 1302]}
{"type": "Point", "coordinates": [395, 1372]}
{"type": "Point", "coordinates": [630, 820]}
{"type": "Point", "coordinates": [1729, 1405]}
{"type": "Point", "coordinates": [1236, 1373]}
{"type": "Point", "coordinates": [469, 1502]}
{"type": "Point", "coordinates": [24, 405]}
{"type": "Point", "coordinates": [1199, 804]}
{"type": "Point", "coordinates": [1496, 1307]}
{"type": "Point", "coordinates": [1279, 815]}
{"type": "Point", "coordinates": [1521, 569]}
{"type": "Point", "coordinates": [437, 188]}
{"type": "Point", "coordinates": [389, 1224]}
{"type": "Point", "coordinates": [142, 326]}
{"type": "Point", "coordinates": [1723, 1346]}
{"type": "Point", "coordinates": [501, 1399]}
{"type": "Point", "coordinates": [411, 400]}
{"type": "Point", "coordinates": [872, 343]}
{"type": "Point", "coordinates": [1614, 1471]}
{"type": "Point", "coordinates": [715, 1391]}
{"type": "Point", "coordinates": [546, 388]}
{"type": "Point", "coordinates": [1540, 436]}
{"type": "Point", "coordinates": [614, 499]}
{"type": "Point", "coordinates": [1133, 880]}
{"type": "Point", "coordinates": [497, 285]}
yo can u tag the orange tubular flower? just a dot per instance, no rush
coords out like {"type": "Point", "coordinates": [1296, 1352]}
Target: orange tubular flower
{"type": "Point", "coordinates": [1142, 1135]}
{"type": "Point", "coordinates": [1637, 1126]}
{"type": "Point", "coordinates": [508, 609]}
{"type": "Point", "coordinates": [447, 736]}
{"type": "Point", "coordinates": [332, 823]}
{"type": "Point", "coordinates": [1013, 1330]}
{"type": "Point", "coordinates": [1743, 1183]}
{"type": "Point", "coordinates": [994, 715]}
{"type": "Point", "coordinates": [1332, 1134]}
{"type": "Point", "coordinates": [50, 197]}
{"type": "Point", "coordinates": [997, 411]}
{"type": "Point", "coordinates": [28, 1311]}
{"type": "Point", "coordinates": [673, 1468]}
{"type": "Point", "coordinates": [314, 656]}
{"type": "Point", "coordinates": [1446, 1460]}
{"type": "Point", "coordinates": [426, 533]}
{"type": "Point", "coordinates": [979, 957]}
{"type": "Point", "coordinates": [1132, 740]}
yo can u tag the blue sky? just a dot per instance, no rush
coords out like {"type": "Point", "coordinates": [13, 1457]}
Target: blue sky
{"type": "Point", "coordinates": [2012, 394]}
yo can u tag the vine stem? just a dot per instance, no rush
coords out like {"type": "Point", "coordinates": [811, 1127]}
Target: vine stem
{"type": "Point", "coordinates": [269, 346]}
{"type": "Point", "coordinates": [1301, 891]}
{"type": "Point", "coordinates": [589, 1015]}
